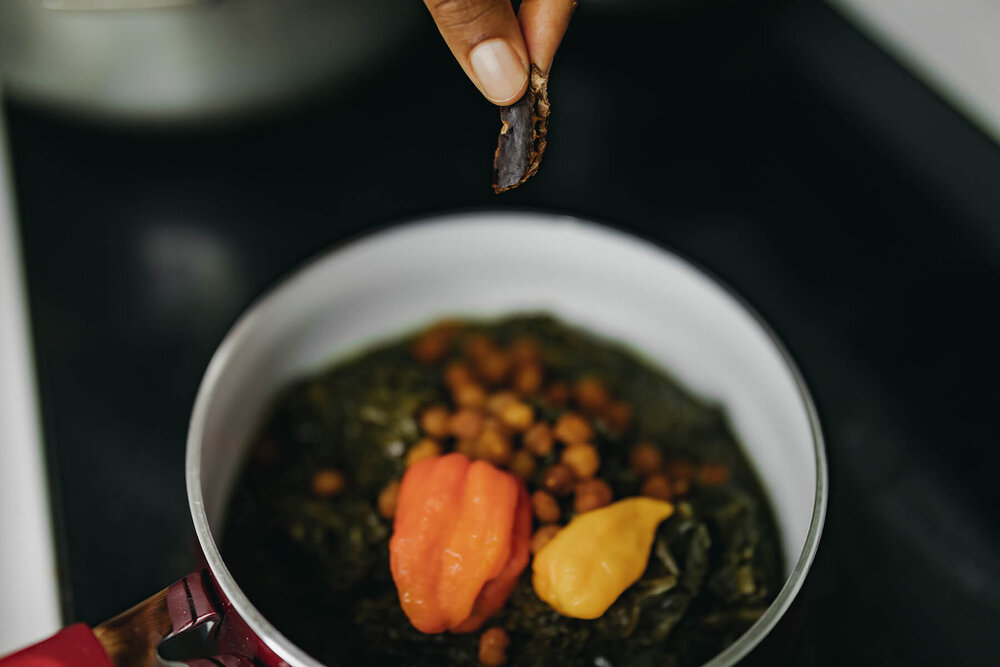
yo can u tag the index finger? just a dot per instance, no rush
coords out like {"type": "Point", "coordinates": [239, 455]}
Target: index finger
{"type": "Point", "coordinates": [543, 24]}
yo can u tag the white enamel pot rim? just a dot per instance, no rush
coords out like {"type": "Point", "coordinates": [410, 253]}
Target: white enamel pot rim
{"type": "Point", "coordinates": [494, 234]}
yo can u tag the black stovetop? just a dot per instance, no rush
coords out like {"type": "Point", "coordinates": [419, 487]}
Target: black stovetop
{"type": "Point", "coordinates": [770, 142]}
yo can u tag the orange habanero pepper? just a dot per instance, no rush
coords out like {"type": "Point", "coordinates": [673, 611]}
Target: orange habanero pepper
{"type": "Point", "coordinates": [460, 541]}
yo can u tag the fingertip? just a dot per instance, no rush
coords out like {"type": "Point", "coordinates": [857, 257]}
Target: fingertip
{"type": "Point", "coordinates": [543, 24]}
{"type": "Point", "coordinates": [507, 101]}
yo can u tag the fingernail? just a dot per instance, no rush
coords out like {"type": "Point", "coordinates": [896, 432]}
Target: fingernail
{"type": "Point", "coordinates": [500, 72]}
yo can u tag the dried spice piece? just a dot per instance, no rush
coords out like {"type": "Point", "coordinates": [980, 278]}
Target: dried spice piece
{"type": "Point", "coordinates": [524, 128]}
{"type": "Point", "coordinates": [493, 647]}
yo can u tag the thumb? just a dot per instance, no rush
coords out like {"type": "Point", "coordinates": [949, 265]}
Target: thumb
{"type": "Point", "coordinates": [485, 37]}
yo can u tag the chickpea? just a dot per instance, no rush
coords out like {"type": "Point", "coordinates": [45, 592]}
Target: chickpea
{"type": "Point", "coordinates": [424, 449]}
{"type": "Point", "coordinates": [496, 424]}
{"type": "Point", "coordinates": [466, 424]}
{"type": "Point", "coordinates": [468, 447]}
{"type": "Point", "coordinates": [559, 479]}
{"type": "Point", "coordinates": [571, 427]}
{"type": "Point", "coordinates": [499, 400]}
{"type": "Point", "coordinates": [645, 458]}
{"type": "Point", "coordinates": [434, 421]}
{"type": "Point", "coordinates": [591, 394]}
{"type": "Point", "coordinates": [538, 439]}
{"type": "Point", "coordinates": [658, 487]}
{"type": "Point", "coordinates": [543, 536]}
{"type": "Point", "coordinates": [518, 416]}
{"type": "Point", "coordinates": [493, 647]}
{"type": "Point", "coordinates": [328, 482]}
{"type": "Point", "coordinates": [713, 474]}
{"type": "Point", "coordinates": [591, 494]}
{"type": "Point", "coordinates": [528, 378]}
{"type": "Point", "coordinates": [618, 416]}
{"type": "Point", "coordinates": [469, 395]}
{"type": "Point", "coordinates": [557, 393]}
{"type": "Point", "coordinates": [522, 464]}
{"type": "Point", "coordinates": [545, 506]}
{"type": "Point", "coordinates": [679, 469]}
{"type": "Point", "coordinates": [524, 349]}
{"type": "Point", "coordinates": [493, 367]}
{"type": "Point", "coordinates": [431, 346]}
{"type": "Point", "coordinates": [457, 374]}
{"type": "Point", "coordinates": [387, 500]}
{"type": "Point", "coordinates": [478, 345]}
{"type": "Point", "coordinates": [494, 446]}
{"type": "Point", "coordinates": [583, 459]}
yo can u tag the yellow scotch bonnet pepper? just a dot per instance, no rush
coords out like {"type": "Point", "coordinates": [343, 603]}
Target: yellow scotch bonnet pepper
{"type": "Point", "coordinates": [599, 554]}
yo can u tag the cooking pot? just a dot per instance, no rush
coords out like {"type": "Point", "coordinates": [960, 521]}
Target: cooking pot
{"type": "Point", "coordinates": [486, 264]}
{"type": "Point", "coordinates": [170, 60]}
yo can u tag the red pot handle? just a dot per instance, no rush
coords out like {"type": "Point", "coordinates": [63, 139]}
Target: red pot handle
{"type": "Point", "coordinates": [75, 646]}
{"type": "Point", "coordinates": [131, 639]}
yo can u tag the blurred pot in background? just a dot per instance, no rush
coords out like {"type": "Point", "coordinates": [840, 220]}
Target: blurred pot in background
{"type": "Point", "coordinates": [166, 60]}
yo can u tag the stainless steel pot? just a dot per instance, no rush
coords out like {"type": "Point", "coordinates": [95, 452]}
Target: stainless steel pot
{"type": "Point", "coordinates": [485, 265]}
{"type": "Point", "coordinates": [189, 59]}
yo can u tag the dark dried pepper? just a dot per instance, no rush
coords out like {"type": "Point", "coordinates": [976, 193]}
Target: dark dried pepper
{"type": "Point", "coordinates": [524, 127]}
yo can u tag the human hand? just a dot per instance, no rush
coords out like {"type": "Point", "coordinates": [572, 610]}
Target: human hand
{"type": "Point", "coordinates": [495, 47]}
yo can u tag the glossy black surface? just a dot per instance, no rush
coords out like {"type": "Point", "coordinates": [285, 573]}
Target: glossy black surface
{"type": "Point", "coordinates": [773, 144]}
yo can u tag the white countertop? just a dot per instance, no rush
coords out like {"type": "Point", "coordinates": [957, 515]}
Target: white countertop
{"type": "Point", "coordinates": [953, 45]}
{"type": "Point", "coordinates": [29, 599]}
